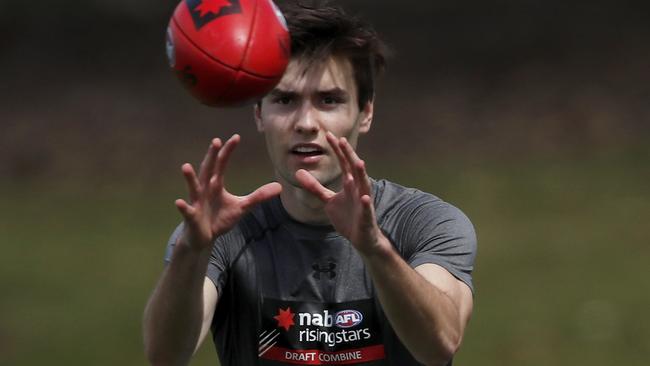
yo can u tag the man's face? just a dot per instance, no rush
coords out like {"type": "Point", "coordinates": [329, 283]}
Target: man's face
{"type": "Point", "coordinates": [296, 115]}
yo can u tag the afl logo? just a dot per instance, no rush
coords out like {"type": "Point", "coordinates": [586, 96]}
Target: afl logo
{"type": "Point", "coordinates": [348, 318]}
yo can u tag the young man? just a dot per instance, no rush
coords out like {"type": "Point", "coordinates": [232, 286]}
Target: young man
{"type": "Point", "coordinates": [324, 266]}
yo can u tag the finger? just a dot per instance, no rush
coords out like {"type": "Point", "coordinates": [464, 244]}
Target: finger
{"type": "Point", "coordinates": [334, 143]}
{"type": "Point", "coordinates": [358, 167]}
{"type": "Point", "coordinates": [185, 209]}
{"type": "Point", "coordinates": [349, 185]}
{"type": "Point", "coordinates": [191, 181]}
{"type": "Point", "coordinates": [215, 185]}
{"type": "Point", "coordinates": [261, 194]}
{"type": "Point", "coordinates": [368, 209]}
{"type": "Point", "coordinates": [224, 156]}
{"type": "Point", "coordinates": [311, 184]}
{"type": "Point", "coordinates": [207, 165]}
{"type": "Point", "coordinates": [348, 151]}
{"type": "Point", "coordinates": [362, 178]}
{"type": "Point", "coordinates": [368, 212]}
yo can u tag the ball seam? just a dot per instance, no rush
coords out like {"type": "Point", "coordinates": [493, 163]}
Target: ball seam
{"type": "Point", "coordinates": [189, 39]}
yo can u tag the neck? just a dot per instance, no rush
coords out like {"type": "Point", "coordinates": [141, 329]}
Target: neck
{"type": "Point", "coordinates": [302, 205]}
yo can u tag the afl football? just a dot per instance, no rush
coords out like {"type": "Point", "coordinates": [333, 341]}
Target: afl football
{"type": "Point", "coordinates": [228, 52]}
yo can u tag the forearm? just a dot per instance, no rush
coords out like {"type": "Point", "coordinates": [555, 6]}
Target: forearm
{"type": "Point", "coordinates": [173, 316]}
{"type": "Point", "coordinates": [424, 318]}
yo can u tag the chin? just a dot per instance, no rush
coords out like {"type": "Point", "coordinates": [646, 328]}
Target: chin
{"type": "Point", "coordinates": [327, 179]}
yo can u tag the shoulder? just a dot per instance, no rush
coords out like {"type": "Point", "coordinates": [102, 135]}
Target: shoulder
{"type": "Point", "coordinates": [412, 214]}
{"type": "Point", "coordinates": [252, 225]}
{"type": "Point", "coordinates": [392, 199]}
{"type": "Point", "coordinates": [425, 229]}
{"type": "Point", "coordinates": [390, 195]}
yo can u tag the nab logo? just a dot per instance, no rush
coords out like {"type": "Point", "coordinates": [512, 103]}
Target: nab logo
{"type": "Point", "coordinates": [348, 318]}
{"type": "Point", "coordinates": [205, 11]}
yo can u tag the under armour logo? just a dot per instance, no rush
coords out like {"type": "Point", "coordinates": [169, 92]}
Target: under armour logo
{"type": "Point", "coordinates": [324, 267]}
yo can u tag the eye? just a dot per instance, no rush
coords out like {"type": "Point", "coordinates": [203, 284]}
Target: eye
{"type": "Point", "coordinates": [329, 100]}
{"type": "Point", "coordinates": [284, 100]}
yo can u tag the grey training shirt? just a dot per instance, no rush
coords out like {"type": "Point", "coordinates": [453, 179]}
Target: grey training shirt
{"type": "Point", "coordinates": [291, 293]}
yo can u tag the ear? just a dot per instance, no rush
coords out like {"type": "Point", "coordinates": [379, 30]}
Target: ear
{"type": "Point", "coordinates": [366, 116]}
{"type": "Point", "coordinates": [257, 111]}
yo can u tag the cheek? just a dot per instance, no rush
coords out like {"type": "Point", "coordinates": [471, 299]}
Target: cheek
{"type": "Point", "coordinates": [274, 142]}
{"type": "Point", "coordinates": [346, 130]}
{"type": "Point", "coordinates": [344, 122]}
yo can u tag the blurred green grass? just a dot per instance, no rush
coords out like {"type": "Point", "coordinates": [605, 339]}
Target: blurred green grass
{"type": "Point", "coordinates": [561, 273]}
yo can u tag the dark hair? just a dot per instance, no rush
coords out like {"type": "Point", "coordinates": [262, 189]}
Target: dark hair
{"type": "Point", "coordinates": [320, 30]}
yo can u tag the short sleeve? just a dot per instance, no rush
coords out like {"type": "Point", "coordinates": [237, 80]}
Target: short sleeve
{"type": "Point", "coordinates": [219, 258]}
{"type": "Point", "coordinates": [439, 233]}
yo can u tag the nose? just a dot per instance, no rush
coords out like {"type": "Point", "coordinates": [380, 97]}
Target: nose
{"type": "Point", "coordinates": [307, 120]}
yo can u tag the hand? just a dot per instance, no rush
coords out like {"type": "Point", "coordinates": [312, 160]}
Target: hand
{"type": "Point", "coordinates": [212, 210]}
{"type": "Point", "coordinates": [351, 210]}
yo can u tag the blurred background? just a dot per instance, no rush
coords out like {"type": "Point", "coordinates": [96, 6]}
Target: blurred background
{"type": "Point", "coordinates": [532, 116]}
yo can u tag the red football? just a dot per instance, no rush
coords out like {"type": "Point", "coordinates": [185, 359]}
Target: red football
{"type": "Point", "coordinates": [228, 52]}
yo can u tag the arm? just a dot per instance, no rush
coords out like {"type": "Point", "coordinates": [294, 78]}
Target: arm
{"type": "Point", "coordinates": [427, 306]}
{"type": "Point", "coordinates": [179, 312]}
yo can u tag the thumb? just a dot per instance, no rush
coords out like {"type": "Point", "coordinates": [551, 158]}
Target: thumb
{"type": "Point", "coordinates": [261, 194]}
{"type": "Point", "coordinates": [311, 184]}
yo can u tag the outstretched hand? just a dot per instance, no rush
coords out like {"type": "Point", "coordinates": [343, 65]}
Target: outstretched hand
{"type": "Point", "coordinates": [212, 210]}
{"type": "Point", "coordinates": [351, 210]}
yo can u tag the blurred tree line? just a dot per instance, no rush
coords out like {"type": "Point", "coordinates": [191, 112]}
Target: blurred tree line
{"type": "Point", "coordinates": [86, 88]}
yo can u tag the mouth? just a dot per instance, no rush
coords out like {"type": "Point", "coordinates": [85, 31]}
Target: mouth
{"type": "Point", "coordinates": [306, 150]}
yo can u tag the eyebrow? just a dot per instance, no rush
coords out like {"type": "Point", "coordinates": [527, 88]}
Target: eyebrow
{"type": "Point", "coordinates": [277, 92]}
{"type": "Point", "coordinates": [334, 91]}
{"type": "Point", "coordinates": [281, 92]}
